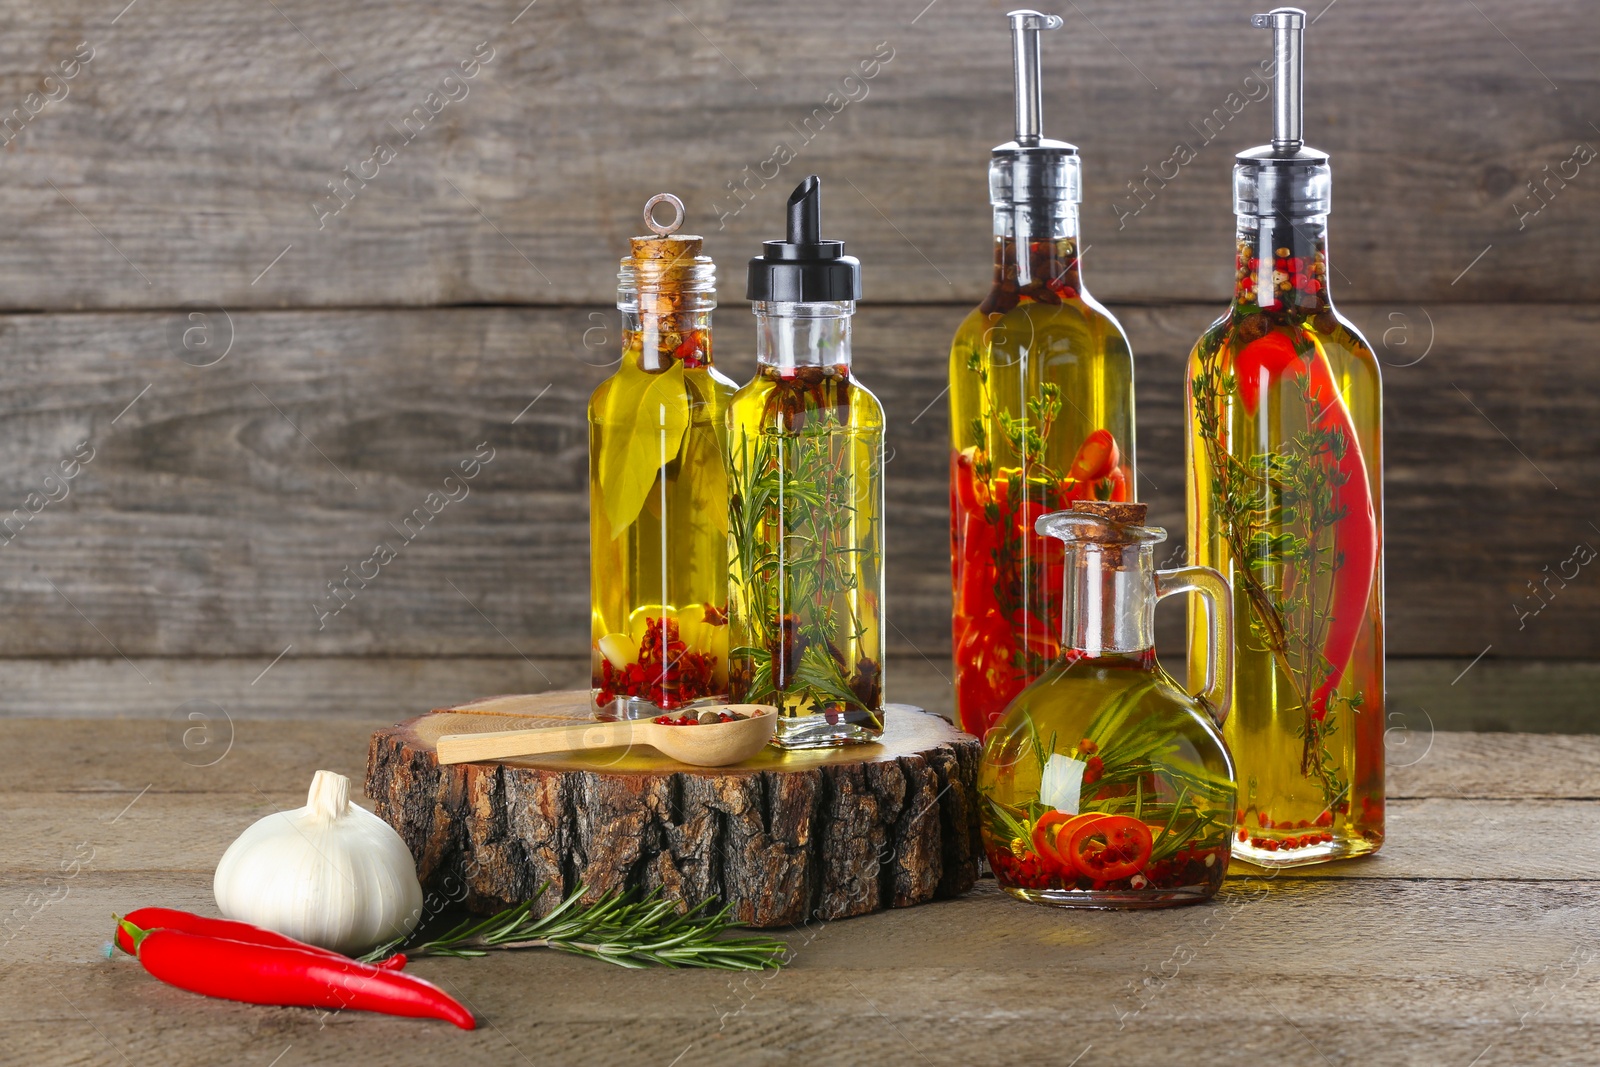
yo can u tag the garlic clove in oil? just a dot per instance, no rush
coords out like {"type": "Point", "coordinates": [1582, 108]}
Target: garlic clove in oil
{"type": "Point", "coordinates": [331, 874]}
{"type": "Point", "coordinates": [619, 649]}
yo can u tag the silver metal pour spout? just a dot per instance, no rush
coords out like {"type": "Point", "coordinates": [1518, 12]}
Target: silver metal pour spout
{"type": "Point", "coordinates": [1288, 55]}
{"type": "Point", "coordinates": [1025, 27]}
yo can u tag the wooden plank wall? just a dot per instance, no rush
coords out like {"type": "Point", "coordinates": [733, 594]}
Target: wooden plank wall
{"type": "Point", "coordinates": [271, 371]}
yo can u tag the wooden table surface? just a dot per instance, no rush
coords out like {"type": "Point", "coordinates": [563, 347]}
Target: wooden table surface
{"type": "Point", "coordinates": [1471, 940]}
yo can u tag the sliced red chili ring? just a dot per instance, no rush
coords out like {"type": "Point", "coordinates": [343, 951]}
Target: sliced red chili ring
{"type": "Point", "coordinates": [1109, 848]}
{"type": "Point", "coordinates": [1044, 836]}
{"type": "Point", "coordinates": [1064, 838]}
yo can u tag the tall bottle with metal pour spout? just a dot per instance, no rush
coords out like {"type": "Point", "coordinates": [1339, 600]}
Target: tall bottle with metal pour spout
{"type": "Point", "coordinates": [1285, 498]}
{"type": "Point", "coordinates": [1041, 410]}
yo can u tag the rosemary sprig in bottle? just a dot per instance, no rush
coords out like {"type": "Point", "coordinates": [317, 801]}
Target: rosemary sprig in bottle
{"type": "Point", "coordinates": [793, 485]}
{"type": "Point", "coordinates": [621, 928]}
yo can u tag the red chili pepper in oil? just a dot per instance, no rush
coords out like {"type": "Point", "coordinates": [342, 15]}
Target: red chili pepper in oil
{"type": "Point", "coordinates": [1262, 365]}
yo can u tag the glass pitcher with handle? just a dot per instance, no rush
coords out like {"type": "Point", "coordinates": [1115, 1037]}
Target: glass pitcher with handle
{"type": "Point", "coordinates": [1104, 783]}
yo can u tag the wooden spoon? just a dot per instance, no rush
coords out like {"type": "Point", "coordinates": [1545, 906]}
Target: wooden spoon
{"type": "Point", "coordinates": [711, 744]}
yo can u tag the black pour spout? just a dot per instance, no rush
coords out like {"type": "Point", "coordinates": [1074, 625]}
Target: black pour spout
{"type": "Point", "coordinates": [805, 268]}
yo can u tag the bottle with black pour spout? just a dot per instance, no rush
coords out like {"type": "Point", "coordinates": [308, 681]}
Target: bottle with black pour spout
{"type": "Point", "coordinates": [1285, 498]}
{"type": "Point", "coordinates": [805, 451]}
{"type": "Point", "coordinates": [1041, 410]}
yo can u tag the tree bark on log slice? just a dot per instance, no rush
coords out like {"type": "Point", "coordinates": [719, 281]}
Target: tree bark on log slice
{"type": "Point", "coordinates": [784, 838]}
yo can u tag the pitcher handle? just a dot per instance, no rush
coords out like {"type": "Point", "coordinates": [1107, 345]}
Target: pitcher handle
{"type": "Point", "coordinates": [1213, 589]}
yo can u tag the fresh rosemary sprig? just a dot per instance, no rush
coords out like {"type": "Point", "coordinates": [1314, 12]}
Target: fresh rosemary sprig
{"type": "Point", "coordinates": [621, 928]}
{"type": "Point", "coordinates": [800, 551]}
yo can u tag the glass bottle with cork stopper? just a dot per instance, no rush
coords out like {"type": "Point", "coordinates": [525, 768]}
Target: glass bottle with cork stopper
{"type": "Point", "coordinates": [1105, 784]}
{"type": "Point", "coordinates": [1041, 409]}
{"type": "Point", "coordinates": [806, 459]}
{"type": "Point", "coordinates": [658, 503]}
{"type": "Point", "coordinates": [1285, 497]}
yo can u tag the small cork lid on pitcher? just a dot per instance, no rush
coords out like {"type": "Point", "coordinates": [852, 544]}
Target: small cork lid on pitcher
{"type": "Point", "coordinates": [1128, 513]}
{"type": "Point", "coordinates": [1119, 518]}
{"type": "Point", "coordinates": [1119, 523]}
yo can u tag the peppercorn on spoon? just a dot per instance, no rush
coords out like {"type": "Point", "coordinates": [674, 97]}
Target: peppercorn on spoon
{"type": "Point", "coordinates": [706, 744]}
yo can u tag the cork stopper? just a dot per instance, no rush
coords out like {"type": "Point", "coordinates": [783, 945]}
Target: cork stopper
{"type": "Point", "coordinates": [664, 267]}
{"type": "Point", "coordinates": [1118, 525]}
{"type": "Point", "coordinates": [668, 245]}
{"type": "Point", "coordinates": [672, 248]}
{"type": "Point", "coordinates": [666, 261]}
{"type": "Point", "coordinates": [1101, 522]}
{"type": "Point", "coordinates": [1127, 513]}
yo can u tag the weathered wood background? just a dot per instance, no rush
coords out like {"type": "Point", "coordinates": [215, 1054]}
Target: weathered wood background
{"type": "Point", "coordinates": [269, 388]}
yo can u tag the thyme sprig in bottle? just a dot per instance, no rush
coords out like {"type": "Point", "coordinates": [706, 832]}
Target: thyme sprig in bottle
{"type": "Point", "coordinates": [658, 510]}
{"type": "Point", "coordinates": [806, 454]}
{"type": "Point", "coordinates": [1285, 498]}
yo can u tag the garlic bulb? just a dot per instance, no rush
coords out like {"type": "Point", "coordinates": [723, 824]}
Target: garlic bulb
{"type": "Point", "coordinates": [331, 873]}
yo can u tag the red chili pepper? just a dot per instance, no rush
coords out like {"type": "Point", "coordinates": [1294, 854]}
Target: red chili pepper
{"type": "Point", "coordinates": [689, 348]}
{"type": "Point", "coordinates": [976, 592]}
{"type": "Point", "coordinates": [289, 977]}
{"type": "Point", "coordinates": [988, 680]}
{"type": "Point", "coordinates": [1257, 367]}
{"type": "Point", "coordinates": [986, 648]}
{"type": "Point", "coordinates": [1063, 840]}
{"type": "Point", "coordinates": [995, 551]}
{"type": "Point", "coordinates": [964, 480]}
{"type": "Point", "coordinates": [1044, 837]}
{"type": "Point", "coordinates": [190, 923]}
{"type": "Point", "coordinates": [1109, 848]}
{"type": "Point", "coordinates": [1117, 483]}
{"type": "Point", "coordinates": [1096, 457]}
{"type": "Point", "coordinates": [983, 640]}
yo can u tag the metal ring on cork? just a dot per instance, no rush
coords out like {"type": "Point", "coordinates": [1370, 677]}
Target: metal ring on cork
{"type": "Point", "coordinates": [677, 217]}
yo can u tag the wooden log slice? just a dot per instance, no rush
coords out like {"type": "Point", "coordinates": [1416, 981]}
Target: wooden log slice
{"type": "Point", "coordinates": [784, 838]}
